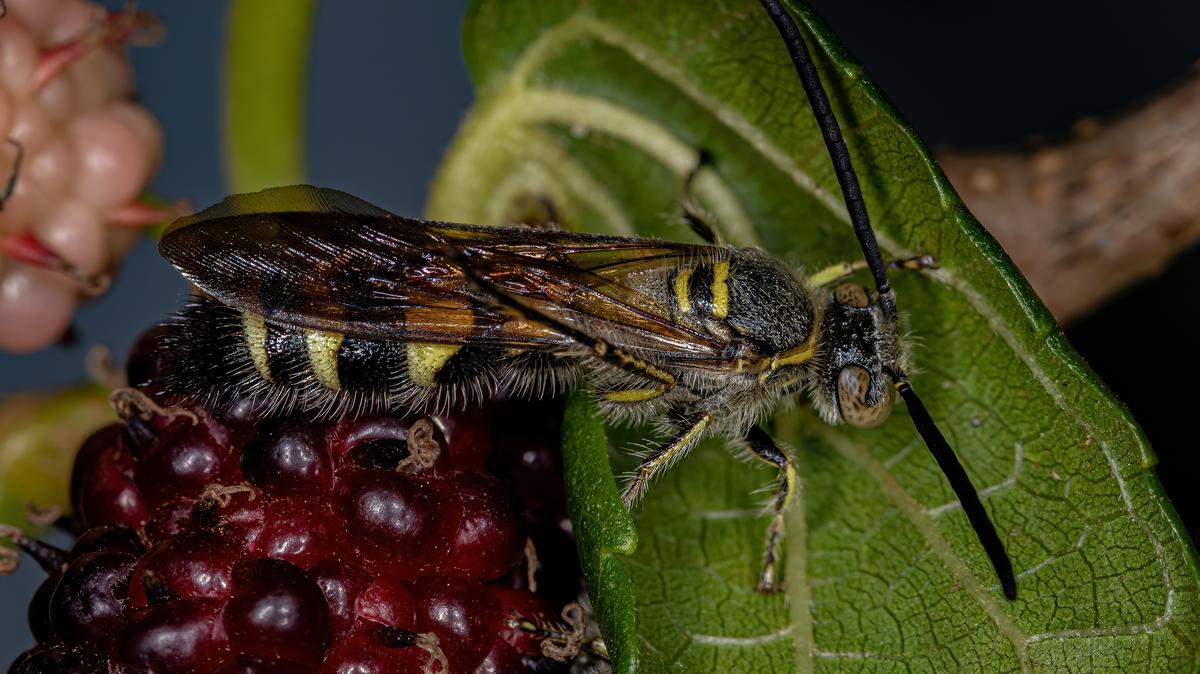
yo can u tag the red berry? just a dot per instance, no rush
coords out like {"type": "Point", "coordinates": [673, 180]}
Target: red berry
{"type": "Point", "coordinates": [278, 612]}
{"type": "Point", "coordinates": [169, 519]}
{"type": "Point", "coordinates": [392, 518]}
{"type": "Point", "coordinates": [342, 583]}
{"type": "Point", "coordinates": [253, 664]}
{"type": "Point", "coordinates": [236, 512]}
{"type": "Point", "coordinates": [177, 637]}
{"type": "Point", "coordinates": [528, 607]}
{"type": "Point", "coordinates": [363, 654]}
{"type": "Point", "coordinates": [502, 659]}
{"type": "Point", "coordinates": [388, 602]}
{"type": "Point", "coordinates": [355, 547]}
{"type": "Point", "coordinates": [195, 566]}
{"type": "Point", "coordinates": [291, 458]}
{"type": "Point", "coordinates": [86, 608]}
{"type": "Point", "coordinates": [300, 531]}
{"type": "Point", "coordinates": [374, 441]}
{"type": "Point", "coordinates": [462, 614]}
{"type": "Point", "coordinates": [39, 609]}
{"type": "Point", "coordinates": [102, 487]}
{"type": "Point", "coordinates": [183, 461]}
{"type": "Point", "coordinates": [108, 538]}
{"type": "Point", "coordinates": [59, 659]}
{"type": "Point", "coordinates": [488, 540]}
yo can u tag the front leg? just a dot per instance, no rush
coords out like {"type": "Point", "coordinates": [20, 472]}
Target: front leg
{"type": "Point", "coordinates": [763, 448]}
{"type": "Point", "coordinates": [836, 272]}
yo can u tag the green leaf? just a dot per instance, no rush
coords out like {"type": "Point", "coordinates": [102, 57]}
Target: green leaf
{"type": "Point", "coordinates": [39, 436]}
{"type": "Point", "coordinates": [265, 84]}
{"type": "Point", "coordinates": [598, 108]}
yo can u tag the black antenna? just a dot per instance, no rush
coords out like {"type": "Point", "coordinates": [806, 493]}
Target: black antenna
{"type": "Point", "coordinates": [963, 489]}
{"type": "Point", "coordinates": [943, 454]}
{"type": "Point", "coordinates": [832, 132]}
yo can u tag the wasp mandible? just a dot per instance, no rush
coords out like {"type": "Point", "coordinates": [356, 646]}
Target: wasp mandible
{"type": "Point", "coordinates": [321, 301]}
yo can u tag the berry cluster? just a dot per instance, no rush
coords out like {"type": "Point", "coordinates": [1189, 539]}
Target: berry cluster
{"type": "Point", "coordinates": [381, 544]}
{"type": "Point", "coordinates": [75, 153]}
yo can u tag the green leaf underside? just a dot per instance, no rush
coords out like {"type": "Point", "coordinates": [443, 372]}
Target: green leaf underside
{"type": "Point", "coordinates": [600, 107]}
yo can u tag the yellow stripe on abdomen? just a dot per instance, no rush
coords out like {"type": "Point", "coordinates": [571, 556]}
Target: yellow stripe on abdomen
{"type": "Point", "coordinates": [720, 290]}
{"type": "Point", "coordinates": [681, 290]}
{"type": "Point", "coordinates": [254, 330]}
{"type": "Point", "coordinates": [323, 356]}
{"type": "Point", "coordinates": [425, 360]}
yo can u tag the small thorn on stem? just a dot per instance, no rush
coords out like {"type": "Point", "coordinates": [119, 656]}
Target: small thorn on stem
{"type": "Point", "coordinates": [423, 448]}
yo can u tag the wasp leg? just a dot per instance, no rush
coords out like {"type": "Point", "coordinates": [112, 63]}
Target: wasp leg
{"type": "Point", "coordinates": [601, 349]}
{"type": "Point", "coordinates": [664, 457]}
{"type": "Point", "coordinates": [836, 272]}
{"type": "Point", "coordinates": [692, 213]}
{"type": "Point", "coordinates": [764, 449]}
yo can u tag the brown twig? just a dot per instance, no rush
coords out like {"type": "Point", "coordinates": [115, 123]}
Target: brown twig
{"type": "Point", "coordinates": [1088, 217]}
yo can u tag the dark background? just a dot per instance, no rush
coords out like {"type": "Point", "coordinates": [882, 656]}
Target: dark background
{"type": "Point", "coordinates": [388, 89]}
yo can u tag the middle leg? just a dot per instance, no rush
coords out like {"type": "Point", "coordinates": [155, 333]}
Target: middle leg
{"type": "Point", "coordinates": [763, 448]}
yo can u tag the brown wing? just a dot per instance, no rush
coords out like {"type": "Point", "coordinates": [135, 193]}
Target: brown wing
{"type": "Point", "coordinates": [322, 259]}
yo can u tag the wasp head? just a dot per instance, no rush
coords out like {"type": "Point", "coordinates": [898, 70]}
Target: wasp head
{"type": "Point", "coordinates": [860, 352]}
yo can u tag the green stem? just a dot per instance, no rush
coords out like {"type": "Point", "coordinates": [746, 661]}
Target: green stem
{"type": "Point", "coordinates": [266, 72]}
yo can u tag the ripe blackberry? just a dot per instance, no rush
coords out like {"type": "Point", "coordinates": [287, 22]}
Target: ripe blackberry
{"type": "Point", "coordinates": [235, 542]}
{"type": "Point", "coordinates": [76, 151]}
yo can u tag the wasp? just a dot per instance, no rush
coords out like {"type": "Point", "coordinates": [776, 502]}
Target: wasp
{"type": "Point", "coordinates": [320, 301]}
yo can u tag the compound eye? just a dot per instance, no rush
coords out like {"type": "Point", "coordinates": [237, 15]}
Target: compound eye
{"type": "Point", "coordinates": [853, 384]}
{"type": "Point", "coordinates": [852, 295]}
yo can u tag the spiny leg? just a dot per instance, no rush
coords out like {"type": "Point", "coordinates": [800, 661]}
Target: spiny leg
{"type": "Point", "coordinates": [836, 272]}
{"type": "Point", "coordinates": [692, 214]}
{"type": "Point", "coordinates": [665, 456]}
{"type": "Point", "coordinates": [764, 449]}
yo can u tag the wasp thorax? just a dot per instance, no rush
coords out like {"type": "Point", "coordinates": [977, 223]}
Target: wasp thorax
{"type": "Point", "coordinates": [853, 389]}
{"type": "Point", "coordinates": [852, 295]}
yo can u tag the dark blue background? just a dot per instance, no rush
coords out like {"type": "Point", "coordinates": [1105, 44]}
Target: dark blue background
{"type": "Point", "coordinates": [388, 89]}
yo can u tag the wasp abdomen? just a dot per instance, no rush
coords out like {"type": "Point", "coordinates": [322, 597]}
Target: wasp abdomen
{"type": "Point", "coordinates": [222, 354]}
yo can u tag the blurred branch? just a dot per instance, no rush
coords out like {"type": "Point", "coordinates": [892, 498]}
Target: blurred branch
{"type": "Point", "coordinates": [266, 88]}
{"type": "Point", "coordinates": [1088, 217]}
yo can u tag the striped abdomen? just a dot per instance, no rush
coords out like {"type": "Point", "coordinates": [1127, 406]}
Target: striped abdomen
{"type": "Point", "coordinates": [221, 354]}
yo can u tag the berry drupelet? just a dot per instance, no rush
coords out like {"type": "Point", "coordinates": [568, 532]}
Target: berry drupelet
{"type": "Point", "coordinates": [238, 542]}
